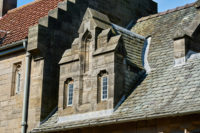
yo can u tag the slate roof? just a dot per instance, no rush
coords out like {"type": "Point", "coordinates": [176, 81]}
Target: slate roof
{"type": "Point", "coordinates": [167, 90]}
{"type": "Point", "coordinates": [17, 21]}
{"type": "Point", "coordinates": [134, 44]}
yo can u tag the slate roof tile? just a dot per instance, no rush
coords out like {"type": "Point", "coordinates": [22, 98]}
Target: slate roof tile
{"type": "Point", "coordinates": [134, 44]}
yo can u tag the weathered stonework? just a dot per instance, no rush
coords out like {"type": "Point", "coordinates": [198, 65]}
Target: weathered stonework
{"type": "Point", "coordinates": [81, 45]}
{"type": "Point", "coordinates": [166, 100]}
{"type": "Point", "coordinates": [47, 40]}
{"type": "Point", "coordinates": [84, 61]}
{"type": "Point", "coordinates": [97, 51]}
{"type": "Point", "coordinates": [10, 106]}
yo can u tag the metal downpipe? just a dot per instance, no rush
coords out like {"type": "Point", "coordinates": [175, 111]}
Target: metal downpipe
{"type": "Point", "coordinates": [26, 93]}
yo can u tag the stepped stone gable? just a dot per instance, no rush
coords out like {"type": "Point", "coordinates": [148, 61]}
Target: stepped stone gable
{"type": "Point", "coordinates": [109, 50]}
{"type": "Point", "coordinates": [168, 95]}
{"type": "Point", "coordinates": [72, 11]}
{"type": "Point", "coordinates": [14, 31]}
{"type": "Point", "coordinates": [47, 39]}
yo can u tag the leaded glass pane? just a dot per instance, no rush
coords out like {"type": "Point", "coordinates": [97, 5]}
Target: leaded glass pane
{"type": "Point", "coordinates": [104, 88]}
{"type": "Point", "coordinates": [70, 94]}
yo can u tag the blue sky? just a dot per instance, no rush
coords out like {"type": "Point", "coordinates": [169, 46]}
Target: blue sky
{"type": "Point", "coordinates": [23, 2]}
{"type": "Point", "coordinates": [163, 5]}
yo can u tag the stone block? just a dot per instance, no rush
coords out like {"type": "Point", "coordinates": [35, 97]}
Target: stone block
{"type": "Point", "coordinates": [180, 48]}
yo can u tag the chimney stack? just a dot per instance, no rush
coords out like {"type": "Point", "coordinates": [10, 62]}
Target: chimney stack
{"type": "Point", "coordinates": [6, 5]}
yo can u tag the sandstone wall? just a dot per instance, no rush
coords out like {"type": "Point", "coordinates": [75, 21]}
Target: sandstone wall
{"type": "Point", "coordinates": [34, 110]}
{"type": "Point", "coordinates": [86, 85]}
{"type": "Point", "coordinates": [10, 106]}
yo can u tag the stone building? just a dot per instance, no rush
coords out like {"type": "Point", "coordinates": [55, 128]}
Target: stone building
{"type": "Point", "coordinates": [93, 66]}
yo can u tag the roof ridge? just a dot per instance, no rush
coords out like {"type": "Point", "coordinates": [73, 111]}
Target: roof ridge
{"type": "Point", "coordinates": [166, 12]}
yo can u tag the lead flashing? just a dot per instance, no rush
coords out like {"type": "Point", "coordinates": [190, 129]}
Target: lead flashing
{"type": "Point", "coordinates": [128, 32]}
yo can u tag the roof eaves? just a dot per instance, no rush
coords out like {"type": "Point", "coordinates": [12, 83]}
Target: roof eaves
{"type": "Point", "coordinates": [11, 45]}
{"type": "Point", "coordinates": [108, 121]}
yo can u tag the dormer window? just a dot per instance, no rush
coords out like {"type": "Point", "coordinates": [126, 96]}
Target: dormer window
{"type": "Point", "coordinates": [186, 43]}
{"type": "Point", "coordinates": [185, 48]}
{"type": "Point", "coordinates": [104, 89]}
{"type": "Point", "coordinates": [180, 50]}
